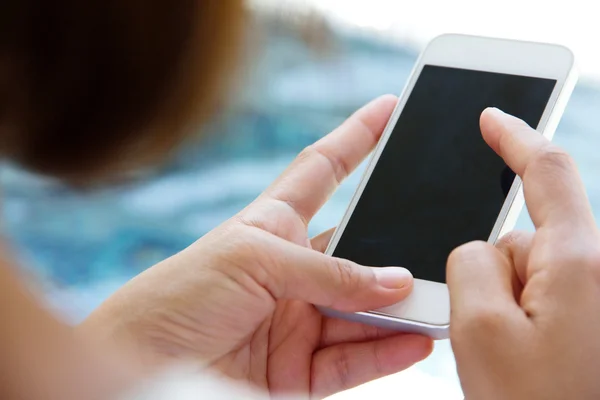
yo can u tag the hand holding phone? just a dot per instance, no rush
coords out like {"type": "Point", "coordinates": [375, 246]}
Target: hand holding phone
{"type": "Point", "coordinates": [433, 183]}
{"type": "Point", "coordinates": [240, 299]}
{"type": "Point", "coordinates": [525, 321]}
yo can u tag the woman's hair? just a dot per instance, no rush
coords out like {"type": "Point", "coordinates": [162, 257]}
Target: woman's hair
{"type": "Point", "coordinates": [91, 87]}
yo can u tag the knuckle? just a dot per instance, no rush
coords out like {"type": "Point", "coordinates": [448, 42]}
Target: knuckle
{"type": "Point", "coordinates": [246, 261]}
{"type": "Point", "coordinates": [337, 166]}
{"type": "Point", "coordinates": [370, 331]}
{"type": "Point", "coordinates": [306, 153]}
{"type": "Point", "coordinates": [509, 239]}
{"type": "Point", "coordinates": [377, 357]}
{"type": "Point", "coordinates": [342, 369]}
{"type": "Point", "coordinates": [346, 274]}
{"type": "Point", "coordinates": [551, 160]}
{"type": "Point", "coordinates": [465, 253]}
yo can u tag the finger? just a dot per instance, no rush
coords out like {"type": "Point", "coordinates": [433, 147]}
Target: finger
{"type": "Point", "coordinates": [480, 279]}
{"type": "Point", "coordinates": [516, 246]}
{"type": "Point", "coordinates": [292, 271]}
{"type": "Point", "coordinates": [319, 169]}
{"type": "Point", "coordinates": [335, 331]}
{"type": "Point", "coordinates": [554, 192]}
{"type": "Point", "coordinates": [321, 241]}
{"type": "Point", "coordinates": [345, 366]}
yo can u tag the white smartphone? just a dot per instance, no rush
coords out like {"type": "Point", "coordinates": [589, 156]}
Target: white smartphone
{"type": "Point", "coordinates": [433, 184]}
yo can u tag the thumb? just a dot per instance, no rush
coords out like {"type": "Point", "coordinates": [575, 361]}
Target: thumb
{"type": "Point", "coordinates": [481, 280]}
{"type": "Point", "coordinates": [300, 273]}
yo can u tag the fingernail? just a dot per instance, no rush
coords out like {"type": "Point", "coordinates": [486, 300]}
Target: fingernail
{"type": "Point", "coordinates": [393, 277]}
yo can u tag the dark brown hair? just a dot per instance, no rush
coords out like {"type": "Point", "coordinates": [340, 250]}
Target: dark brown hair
{"type": "Point", "coordinates": [88, 88]}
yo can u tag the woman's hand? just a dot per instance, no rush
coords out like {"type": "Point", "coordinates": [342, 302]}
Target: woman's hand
{"type": "Point", "coordinates": [240, 299]}
{"type": "Point", "coordinates": [525, 313]}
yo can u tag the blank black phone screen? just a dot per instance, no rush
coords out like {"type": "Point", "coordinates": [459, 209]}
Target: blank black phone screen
{"type": "Point", "coordinates": [437, 185]}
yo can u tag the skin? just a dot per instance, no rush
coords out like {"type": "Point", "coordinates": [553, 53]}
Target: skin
{"type": "Point", "coordinates": [240, 299]}
{"type": "Point", "coordinates": [525, 319]}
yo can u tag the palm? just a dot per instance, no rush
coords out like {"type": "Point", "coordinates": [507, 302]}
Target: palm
{"type": "Point", "coordinates": [287, 335]}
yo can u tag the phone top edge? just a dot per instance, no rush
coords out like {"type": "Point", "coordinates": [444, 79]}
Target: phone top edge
{"type": "Point", "coordinates": [463, 36]}
{"type": "Point", "coordinates": [536, 59]}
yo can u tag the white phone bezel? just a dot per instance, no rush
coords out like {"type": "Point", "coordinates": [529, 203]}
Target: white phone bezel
{"type": "Point", "coordinates": [427, 309]}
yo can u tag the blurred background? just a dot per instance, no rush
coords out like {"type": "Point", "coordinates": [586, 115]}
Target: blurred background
{"type": "Point", "coordinates": [296, 88]}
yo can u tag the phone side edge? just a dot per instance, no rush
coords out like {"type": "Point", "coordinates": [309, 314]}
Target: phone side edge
{"type": "Point", "coordinates": [392, 323]}
{"type": "Point", "coordinates": [376, 153]}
